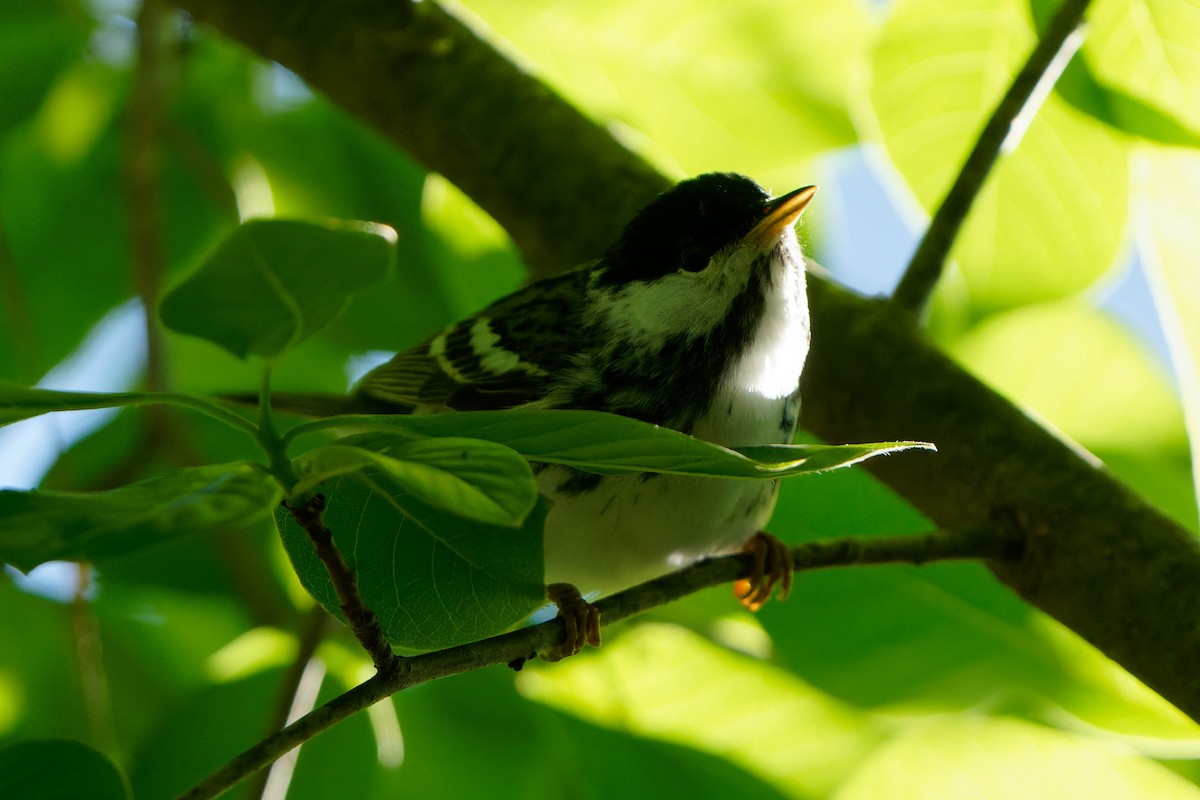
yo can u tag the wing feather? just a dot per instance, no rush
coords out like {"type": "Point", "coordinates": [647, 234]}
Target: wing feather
{"type": "Point", "coordinates": [507, 355]}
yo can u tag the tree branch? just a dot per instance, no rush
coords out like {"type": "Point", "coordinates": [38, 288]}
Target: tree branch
{"type": "Point", "coordinates": [1098, 558]}
{"type": "Point", "coordinates": [142, 171]}
{"type": "Point", "coordinates": [359, 618]}
{"type": "Point", "coordinates": [516, 647]}
{"type": "Point", "coordinates": [89, 656]}
{"type": "Point", "coordinates": [925, 268]}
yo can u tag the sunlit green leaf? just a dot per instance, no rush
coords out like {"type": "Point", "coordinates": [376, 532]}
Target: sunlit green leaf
{"type": "Point", "coordinates": [1168, 242]}
{"type": "Point", "coordinates": [38, 526]}
{"type": "Point", "coordinates": [475, 479]}
{"type": "Point", "coordinates": [1149, 49]}
{"type": "Point", "coordinates": [938, 640]}
{"type": "Point", "coordinates": [998, 759]}
{"type": "Point", "coordinates": [667, 683]}
{"type": "Point", "coordinates": [1119, 109]}
{"type": "Point", "coordinates": [478, 260]}
{"type": "Point", "coordinates": [1082, 371]}
{"type": "Point", "coordinates": [273, 283]}
{"type": "Point", "coordinates": [1100, 692]}
{"type": "Point", "coordinates": [58, 769]}
{"type": "Point", "coordinates": [1049, 221]}
{"type": "Point", "coordinates": [433, 578]}
{"type": "Point", "coordinates": [697, 81]}
{"type": "Point", "coordinates": [931, 640]}
{"type": "Point", "coordinates": [599, 442]}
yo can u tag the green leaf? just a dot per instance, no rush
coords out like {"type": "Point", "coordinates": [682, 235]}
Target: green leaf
{"type": "Point", "coordinates": [475, 479]}
{"type": "Point", "coordinates": [952, 636]}
{"type": "Point", "coordinates": [997, 759]}
{"type": "Point", "coordinates": [66, 165]}
{"type": "Point", "coordinates": [651, 680]}
{"type": "Point", "coordinates": [692, 79]}
{"type": "Point", "coordinates": [323, 163]}
{"type": "Point", "coordinates": [50, 302]}
{"type": "Point", "coordinates": [1080, 369]}
{"type": "Point", "coordinates": [203, 727]}
{"type": "Point", "coordinates": [949, 635]}
{"type": "Point", "coordinates": [59, 769]}
{"type": "Point", "coordinates": [433, 578]}
{"type": "Point", "coordinates": [39, 42]}
{"type": "Point", "coordinates": [273, 283]}
{"type": "Point", "coordinates": [1168, 243]}
{"type": "Point", "coordinates": [1079, 87]}
{"type": "Point", "coordinates": [600, 442]}
{"type": "Point", "coordinates": [1149, 50]}
{"type": "Point", "coordinates": [1050, 219]}
{"type": "Point", "coordinates": [36, 527]}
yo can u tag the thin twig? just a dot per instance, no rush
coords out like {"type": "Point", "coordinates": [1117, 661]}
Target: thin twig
{"type": "Point", "coordinates": [361, 620]}
{"type": "Point", "coordinates": [89, 654]}
{"type": "Point", "coordinates": [925, 267]}
{"type": "Point", "coordinates": [142, 167]}
{"type": "Point", "coordinates": [514, 648]}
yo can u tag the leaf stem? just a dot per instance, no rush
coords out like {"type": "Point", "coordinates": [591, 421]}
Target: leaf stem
{"type": "Point", "coordinates": [34, 402]}
{"type": "Point", "coordinates": [514, 648]}
{"type": "Point", "coordinates": [85, 401]}
{"type": "Point", "coordinates": [925, 268]}
{"type": "Point", "coordinates": [89, 656]}
{"type": "Point", "coordinates": [359, 618]}
{"type": "Point", "coordinates": [308, 509]}
{"type": "Point", "coordinates": [269, 438]}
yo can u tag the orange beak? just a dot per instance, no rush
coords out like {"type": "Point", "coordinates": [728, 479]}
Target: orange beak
{"type": "Point", "coordinates": [781, 213]}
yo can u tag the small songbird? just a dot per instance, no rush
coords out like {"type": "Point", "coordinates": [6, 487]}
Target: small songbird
{"type": "Point", "coordinates": [696, 319]}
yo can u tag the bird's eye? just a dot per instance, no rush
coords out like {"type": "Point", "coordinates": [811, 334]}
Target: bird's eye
{"type": "Point", "coordinates": [693, 258]}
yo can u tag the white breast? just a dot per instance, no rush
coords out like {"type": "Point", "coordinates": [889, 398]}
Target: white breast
{"type": "Point", "coordinates": [633, 527]}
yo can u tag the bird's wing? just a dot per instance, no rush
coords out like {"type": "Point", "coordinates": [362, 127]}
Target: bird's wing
{"type": "Point", "coordinates": [504, 356]}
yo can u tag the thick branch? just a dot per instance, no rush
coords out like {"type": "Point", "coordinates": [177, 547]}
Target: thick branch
{"type": "Point", "coordinates": [1099, 558]}
{"type": "Point", "coordinates": [514, 648]}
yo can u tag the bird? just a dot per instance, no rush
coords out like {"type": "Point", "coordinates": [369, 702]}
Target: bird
{"type": "Point", "coordinates": [695, 319]}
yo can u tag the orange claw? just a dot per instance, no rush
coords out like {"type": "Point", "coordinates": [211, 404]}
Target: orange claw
{"type": "Point", "coordinates": [773, 566]}
{"type": "Point", "coordinates": [581, 619]}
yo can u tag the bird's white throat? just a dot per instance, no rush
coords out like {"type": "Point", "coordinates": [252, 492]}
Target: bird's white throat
{"type": "Point", "coordinates": [771, 366]}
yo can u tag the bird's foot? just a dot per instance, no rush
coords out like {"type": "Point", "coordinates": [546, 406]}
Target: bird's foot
{"type": "Point", "coordinates": [773, 566]}
{"type": "Point", "coordinates": [581, 619]}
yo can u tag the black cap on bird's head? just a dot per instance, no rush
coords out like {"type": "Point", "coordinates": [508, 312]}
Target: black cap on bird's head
{"type": "Point", "coordinates": [685, 226]}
